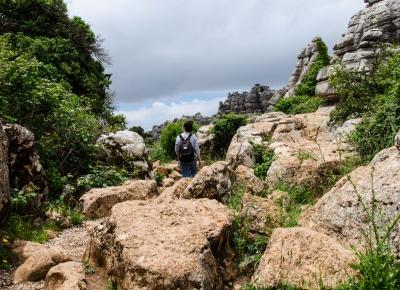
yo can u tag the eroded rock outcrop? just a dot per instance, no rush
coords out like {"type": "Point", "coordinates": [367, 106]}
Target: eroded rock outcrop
{"type": "Point", "coordinates": [124, 149]}
{"type": "Point", "coordinates": [260, 99]}
{"type": "Point", "coordinates": [205, 139]}
{"type": "Point", "coordinates": [305, 259]}
{"type": "Point", "coordinates": [304, 146]}
{"type": "Point", "coordinates": [305, 60]}
{"type": "Point", "coordinates": [378, 23]}
{"type": "Point", "coordinates": [340, 214]}
{"type": "Point", "coordinates": [4, 179]}
{"type": "Point", "coordinates": [245, 178]}
{"type": "Point", "coordinates": [169, 245]}
{"type": "Point", "coordinates": [97, 202]}
{"type": "Point", "coordinates": [25, 170]}
{"type": "Point", "coordinates": [66, 276]}
{"type": "Point", "coordinates": [36, 259]}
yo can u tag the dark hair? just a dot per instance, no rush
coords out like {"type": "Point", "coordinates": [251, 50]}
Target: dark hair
{"type": "Point", "coordinates": [188, 125]}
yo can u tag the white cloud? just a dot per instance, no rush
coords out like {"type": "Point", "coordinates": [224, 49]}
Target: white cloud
{"type": "Point", "coordinates": [158, 112]}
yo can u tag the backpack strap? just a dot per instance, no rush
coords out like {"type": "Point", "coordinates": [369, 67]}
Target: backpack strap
{"type": "Point", "coordinates": [180, 136]}
{"type": "Point", "coordinates": [190, 135]}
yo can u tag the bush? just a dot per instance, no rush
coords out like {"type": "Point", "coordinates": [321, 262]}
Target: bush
{"type": "Point", "coordinates": [264, 158]}
{"type": "Point", "coordinates": [298, 104]}
{"type": "Point", "coordinates": [224, 129]}
{"type": "Point", "coordinates": [101, 176]}
{"type": "Point", "coordinates": [309, 82]}
{"type": "Point", "coordinates": [374, 96]}
{"type": "Point", "coordinates": [168, 137]}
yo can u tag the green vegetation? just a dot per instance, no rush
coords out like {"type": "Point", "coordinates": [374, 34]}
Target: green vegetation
{"type": "Point", "coordinates": [374, 96]}
{"type": "Point", "coordinates": [264, 158]}
{"type": "Point", "coordinates": [235, 200]}
{"type": "Point", "coordinates": [168, 139]}
{"type": "Point", "coordinates": [304, 155]}
{"type": "Point", "coordinates": [304, 99]}
{"type": "Point", "coordinates": [101, 176]}
{"type": "Point", "coordinates": [251, 287]}
{"type": "Point", "coordinates": [224, 129]}
{"type": "Point", "coordinates": [309, 82]}
{"type": "Point", "coordinates": [298, 104]}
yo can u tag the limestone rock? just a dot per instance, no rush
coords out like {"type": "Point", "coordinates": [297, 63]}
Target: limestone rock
{"type": "Point", "coordinates": [305, 60]}
{"type": "Point", "coordinates": [124, 149]}
{"type": "Point", "coordinates": [167, 182]}
{"type": "Point", "coordinates": [397, 141]}
{"type": "Point", "coordinates": [260, 99]}
{"type": "Point", "coordinates": [214, 182]}
{"type": "Point", "coordinates": [245, 177]}
{"type": "Point", "coordinates": [175, 175]}
{"type": "Point", "coordinates": [262, 215]}
{"type": "Point", "coordinates": [4, 179]}
{"type": "Point", "coordinates": [205, 139]}
{"type": "Point", "coordinates": [176, 191]}
{"type": "Point", "coordinates": [339, 213]}
{"type": "Point", "coordinates": [25, 169]}
{"type": "Point", "coordinates": [97, 202]}
{"type": "Point", "coordinates": [66, 276]}
{"type": "Point", "coordinates": [323, 89]}
{"type": "Point", "coordinates": [36, 259]}
{"type": "Point", "coordinates": [151, 245]}
{"type": "Point", "coordinates": [303, 258]}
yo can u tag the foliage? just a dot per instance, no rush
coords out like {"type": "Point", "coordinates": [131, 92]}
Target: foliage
{"type": "Point", "coordinates": [71, 214]}
{"type": "Point", "coordinates": [101, 176]}
{"type": "Point", "coordinates": [235, 200]}
{"type": "Point", "coordinates": [87, 268]}
{"type": "Point", "coordinates": [298, 104]}
{"type": "Point", "coordinates": [137, 129]}
{"type": "Point", "coordinates": [5, 253]}
{"type": "Point", "coordinates": [252, 287]}
{"type": "Point", "coordinates": [249, 247]}
{"type": "Point", "coordinates": [224, 129]}
{"type": "Point", "coordinates": [168, 138]}
{"type": "Point", "coordinates": [303, 155]}
{"type": "Point", "coordinates": [373, 95]}
{"type": "Point", "coordinates": [157, 153]}
{"type": "Point", "coordinates": [309, 82]}
{"type": "Point", "coordinates": [264, 158]}
{"type": "Point", "coordinates": [20, 198]}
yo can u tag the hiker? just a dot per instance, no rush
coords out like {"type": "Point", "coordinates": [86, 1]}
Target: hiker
{"type": "Point", "coordinates": [187, 150]}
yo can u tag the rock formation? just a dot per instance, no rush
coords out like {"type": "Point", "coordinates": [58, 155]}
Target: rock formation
{"type": "Point", "coordinates": [25, 170]}
{"type": "Point", "coordinates": [124, 149]}
{"type": "Point", "coordinates": [305, 59]}
{"type": "Point", "coordinates": [4, 179]}
{"type": "Point", "coordinates": [66, 276]}
{"type": "Point", "coordinates": [173, 245]}
{"type": "Point", "coordinates": [260, 99]}
{"type": "Point", "coordinates": [339, 212]}
{"type": "Point", "coordinates": [304, 259]}
{"type": "Point", "coordinates": [397, 141]}
{"type": "Point", "coordinates": [378, 23]}
{"type": "Point", "coordinates": [97, 202]}
{"type": "Point", "coordinates": [304, 146]}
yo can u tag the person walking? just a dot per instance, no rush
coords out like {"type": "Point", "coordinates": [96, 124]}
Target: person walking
{"type": "Point", "coordinates": [187, 150]}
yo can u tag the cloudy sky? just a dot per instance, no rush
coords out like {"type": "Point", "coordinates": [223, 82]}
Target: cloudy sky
{"type": "Point", "coordinates": [174, 57]}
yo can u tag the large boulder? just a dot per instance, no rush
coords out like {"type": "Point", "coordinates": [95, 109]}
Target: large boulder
{"type": "Point", "coordinates": [36, 259]}
{"type": "Point", "coordinates": [124, 149]}
{"type": "Point", "coordinates": [4, 179]}
{"type": "Point", "coordinates": [214, 181]}
{"type": "Point", "coordinates": [205, 139]}
{"type": "Point", "coordinates": [340, 213]}
{"type": "Point", "coordinates": [304, 259]}
{"type": "Point", "coordinates": [25, 170]}
{"type": "Point", "coordinates": [305, 147]}
{"type": "Point", "coordinates": [97, 202]}
{"type": "Point", "coordinates": [66, 276]}
{"type": "Point", "coordinates": [368, 29]}
{"type": "Point", "coordinates": [305, 60]}
{"type": "Point", "coordinates": [174, 245]}
{"type": "Point", "coordinates": [176, 191]}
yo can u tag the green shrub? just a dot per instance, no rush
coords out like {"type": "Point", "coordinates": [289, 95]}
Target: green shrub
{"type": "Point", "coordinates": [235, 200]}
{"type": "Point", "coordinates": [374, 96]}
{"type": "Point", "coordinates": [68, 212]}
{"type": "Point", "coordinates": [264, 158]}
{"type": "Point", "coordinates": [101, 176]}
{"type": "Point", "coordinates": [309, 82]}
{"type": "Point", "coordinates": [298, 104]}
{"type": "Point", "coordinates": [156, 152]}
{"type": "Point", "coordinates": [224, 129]}
{"type": "Point", "coordinates": [168, 137]}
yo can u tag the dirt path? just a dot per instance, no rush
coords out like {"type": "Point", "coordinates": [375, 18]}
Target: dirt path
{"type": "Point", "coordinates": [73, 241]}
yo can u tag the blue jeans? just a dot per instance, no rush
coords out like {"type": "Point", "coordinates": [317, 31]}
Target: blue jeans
{"type": "Point", "coordinates": [189, 169]}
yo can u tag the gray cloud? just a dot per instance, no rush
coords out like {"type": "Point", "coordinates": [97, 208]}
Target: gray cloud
{"type": "Point", "coordinates": [166, 48]}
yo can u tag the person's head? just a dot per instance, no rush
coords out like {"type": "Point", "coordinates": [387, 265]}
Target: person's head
{"type": "Point", "coordinates": [188, 126]}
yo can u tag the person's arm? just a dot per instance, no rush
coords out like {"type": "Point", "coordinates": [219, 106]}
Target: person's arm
{"type": "Point", "coordinates": [177, 143]}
